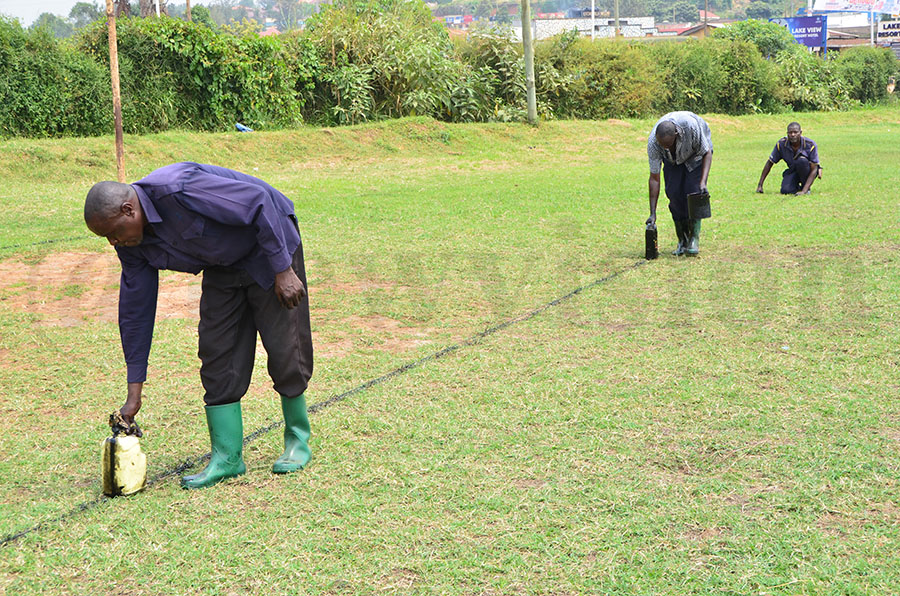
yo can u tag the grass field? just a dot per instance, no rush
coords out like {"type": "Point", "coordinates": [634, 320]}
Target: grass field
{"type": "Point", "coordinates": [722, 425]}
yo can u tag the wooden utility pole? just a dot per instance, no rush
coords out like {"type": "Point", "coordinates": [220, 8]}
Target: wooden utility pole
{"type": "Point", "coordinates": [188, 13]}
{"type": "Point", "coordinates": [528, 45]}
{"type": "Point", "coordinates": [117, 98]}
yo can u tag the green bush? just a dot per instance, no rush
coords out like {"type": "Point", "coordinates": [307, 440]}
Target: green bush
{"type": "Point", "coordinates": [49, 89]}
{"type": "Point", "coordinates": [714, 75]}
{"type": "Point", "coordinates": [866, 72]}
{"type": "Point", "coordinates": [180, 74]}
{"type": "Point", "coordinates": [578, 78]}
{"type": "Point", "coordinates": [381, 60]}
{"type": "Point", "coordinates": [809, 83]}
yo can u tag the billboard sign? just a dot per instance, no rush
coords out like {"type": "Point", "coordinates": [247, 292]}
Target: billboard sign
{"type": "Point", "coordinates": [889, 32]}
{"type": "Point", "coordinates": [811, 32]}
{"type": "Point", "coordinates": [881, 6]}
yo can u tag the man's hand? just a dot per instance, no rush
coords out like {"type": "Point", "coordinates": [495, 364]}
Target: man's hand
{"type": "Point", "coordinates": [651, 221]}
{"type": "Point", "coordinates": [132, 402]}
{"type": "Point", "coordinates": [289, 288]}
{"type": "Point", "coordinates": [703, 188]}
{"type": "Point", "coordinates": [802, 192]}
{"type": "Point", "coordinates": [759, 189]}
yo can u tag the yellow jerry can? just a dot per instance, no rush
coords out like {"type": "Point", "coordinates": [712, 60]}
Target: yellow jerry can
{"type": "Point", "coordinates": [124, 466]}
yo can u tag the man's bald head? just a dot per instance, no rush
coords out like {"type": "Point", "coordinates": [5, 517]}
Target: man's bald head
{"type": "Point", "coordinates": [113, 210]}
{"type": "Point", "coordinates": [104, 201]}
{"type": "Point", "coordinates": [666, 131]}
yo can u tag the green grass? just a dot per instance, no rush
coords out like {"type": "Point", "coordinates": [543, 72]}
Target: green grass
{"type": "Point", "coordinates": [720, 425]}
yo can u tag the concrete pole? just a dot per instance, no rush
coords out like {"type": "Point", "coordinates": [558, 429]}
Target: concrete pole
{"type": "Point", "coordinates": [117, 98]}
{"type": "Point", "coordinates": [593, 27]}
{"type": "Point", "coordinates": [528, 45]}
{"type": "Point", "coordinates": [618, 32]}
{"type": "Point", "coordinates": [872, 28]}
{"type": "Point", "coordinates": [157, 9]}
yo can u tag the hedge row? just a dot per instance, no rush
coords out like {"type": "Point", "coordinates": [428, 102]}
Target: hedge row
{"type": "Point", "coordinates": [357, 62]}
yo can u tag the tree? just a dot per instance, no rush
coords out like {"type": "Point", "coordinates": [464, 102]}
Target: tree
{"type": "Point", "coordinates": [685, 11]}
{"type": "Point", "coordinates": [770, 38]}
{"type": "Point", "coordinates": [85, 13]}
{"type": "Point", "coordinates": [760, 10]}
{"type": "Point", "coordinates": [200, 14]}
{"type": "Point", "coordinates": [57, 25]}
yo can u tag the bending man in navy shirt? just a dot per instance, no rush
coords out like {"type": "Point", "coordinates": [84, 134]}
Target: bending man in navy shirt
{"type": "Point", "coordinates": [801, 157]}
{"type": "Point", "coordinates": [242, 233]}
{"type": "Point", "coordinates": [681, 145]}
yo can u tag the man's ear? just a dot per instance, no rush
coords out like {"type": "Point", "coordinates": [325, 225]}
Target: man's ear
{"type": "Point", "coordinates": [127, 208]}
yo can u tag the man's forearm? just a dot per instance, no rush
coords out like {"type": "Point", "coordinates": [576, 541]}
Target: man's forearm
{"type": "Point", "coordinates": [765, 172]}
{"type": "Point", "coordinates": [813, 171]}
{"type": "Point", "coordinates": [707, 163]}
{"type": "Point", "coordinates": [653, 185]}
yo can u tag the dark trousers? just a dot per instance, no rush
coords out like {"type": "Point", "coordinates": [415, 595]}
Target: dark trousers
{"type": "Point", "coordinates": [679, 184]}
{"type": "Point", "coordinates": [233, 308]}
{"type": "Point", "coordinates": [794, 177]}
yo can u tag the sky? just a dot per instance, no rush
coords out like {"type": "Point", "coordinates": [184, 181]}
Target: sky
{"type": "Point", "coordinates": [28, 10]}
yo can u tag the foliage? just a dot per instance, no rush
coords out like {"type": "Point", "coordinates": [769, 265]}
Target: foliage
{"type": "Point", "coordinates": [49, 89]}
{"type": "Point", "coordinates": [180, 74]}
{"type": "Point", "coordinates": [810, 83]}
{"type": "Point", "coordinates": [580, 79]}
{"type": "Point", "coordinates": [382, 60]}
{"type": "Point", "coordinates": [713, 75]}
{"type": "Point", "coordinates": [769, 38]}
{"type": "Point", "coordinates": [364, 60]}
{"type": "Point", "coordinates": [758, 9]}
{"type": "Point", "coordinates": [491, 52]}
{"type": "Point", "coordinates": [866, 72]}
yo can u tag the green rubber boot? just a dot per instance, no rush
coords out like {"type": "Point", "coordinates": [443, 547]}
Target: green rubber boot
{"type": "Point", "coordinates": [226, 434]}
{"type": "Point", "coordinates": [693, 245]}
{"type": "Point", "coordinates": [296, 436]}
{"type": "Point", "coordinates": [681, 227]}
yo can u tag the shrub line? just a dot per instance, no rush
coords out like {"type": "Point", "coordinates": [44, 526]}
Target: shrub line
{"type": "Point", "coordinates": [468, 342]}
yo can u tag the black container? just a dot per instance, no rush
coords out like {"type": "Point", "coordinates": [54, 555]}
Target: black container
{"type": "Point", "coordinates": [651, 247]}
{"type": "Point", "coordinates": [698, 205]}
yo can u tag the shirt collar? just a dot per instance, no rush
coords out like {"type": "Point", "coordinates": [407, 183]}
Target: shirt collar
{"type": "Point", "coordinates": [150, 212]}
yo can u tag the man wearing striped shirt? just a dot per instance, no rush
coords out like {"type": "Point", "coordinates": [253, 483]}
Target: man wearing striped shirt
{"type": "Point", "coordinates": [680, 145]}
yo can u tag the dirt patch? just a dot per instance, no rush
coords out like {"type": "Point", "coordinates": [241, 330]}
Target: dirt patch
{"type": "Point", "coordinates": [70, 288]}
{"type": "Point", "coordinates": [389, 334]}
{"type": "Point", "coordinates": [616, 122]}
{"type": "Point", "coordinates": [698, 534]}
{"type": "Point", "coordinates": [526, 483]}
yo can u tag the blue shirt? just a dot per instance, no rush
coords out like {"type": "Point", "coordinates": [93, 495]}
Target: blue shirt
{"type": "Point", "coordinates": [783, 150]}
{"type": "Point", "coordinates": [694, 141]}
{"type": "Point", "coordinates": [198, 216]}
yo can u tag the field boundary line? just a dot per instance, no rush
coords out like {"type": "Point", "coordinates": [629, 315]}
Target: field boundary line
{"type": "Point", "coordinates": [468, 342]}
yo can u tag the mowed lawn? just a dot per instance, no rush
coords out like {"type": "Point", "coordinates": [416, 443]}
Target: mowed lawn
{"type": "Point", "coordinates": [727, 424]}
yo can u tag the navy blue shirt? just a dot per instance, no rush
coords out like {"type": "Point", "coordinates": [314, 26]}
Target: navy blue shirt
{"type": "Point", "coordinates": [198, 216]}
{"type": "Point", "coordinates": [783, 150]}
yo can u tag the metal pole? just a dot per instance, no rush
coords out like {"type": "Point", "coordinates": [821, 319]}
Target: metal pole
{"type": "Point", "coordinates": [593, 27]}
{"type": "Point", "coordinates": [528, 46]}
{"type": "Point", "coordinates": [117, 99]}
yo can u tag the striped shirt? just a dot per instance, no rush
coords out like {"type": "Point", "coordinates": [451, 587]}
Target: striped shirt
{"type": "Point", "coordinates": [694, 141]}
